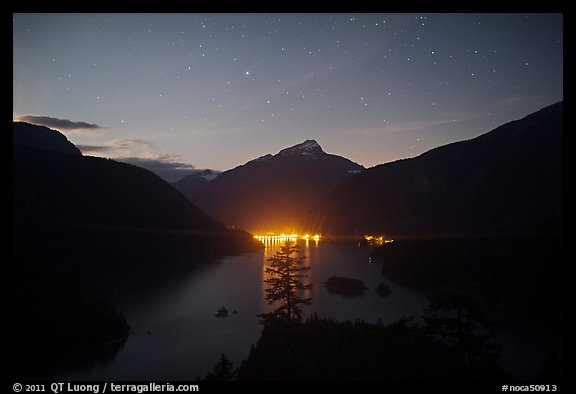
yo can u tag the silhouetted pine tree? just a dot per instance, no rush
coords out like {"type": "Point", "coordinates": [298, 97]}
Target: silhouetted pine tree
{"type": "Point", "coordinates": [223, 370]}
{"type": "Point", "coordinates": [283, 283]}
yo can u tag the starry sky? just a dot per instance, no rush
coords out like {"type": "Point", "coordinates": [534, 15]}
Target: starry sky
{"type": "Point", "coordinates": [180, 91]}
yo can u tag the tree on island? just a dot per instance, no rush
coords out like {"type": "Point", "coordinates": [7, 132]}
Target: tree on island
{"type": "Point", "coordinates": [283, 284]}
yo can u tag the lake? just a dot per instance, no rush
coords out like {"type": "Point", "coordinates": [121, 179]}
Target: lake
{"type": "Point", "coordinates": [176, 336]}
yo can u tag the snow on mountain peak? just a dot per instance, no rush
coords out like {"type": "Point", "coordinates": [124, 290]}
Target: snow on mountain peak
{"type": "Point", "coordinates": [308, 144]}
{"type": "Point", "coordinates": [309, 148]}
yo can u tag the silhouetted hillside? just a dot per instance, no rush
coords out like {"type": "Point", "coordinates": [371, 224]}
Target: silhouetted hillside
{"type": "Point", "coordinates": [274, 191]}
{"type": "Point", "coordinates": [73, 194]}
{"type": "Point", "coordinates": [33, 136]}
{"type": "Point", "coordinates": [507, 180]}
{"type": "Point", "coordinates": [326, 350]}
{"type": "Point", "coordinates": [97, 191]}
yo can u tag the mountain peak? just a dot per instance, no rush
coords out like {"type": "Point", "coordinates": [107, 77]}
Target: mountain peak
{"type": "Point", "coordinates": [295, 179]}
{"type": "Point", "coordinates": [309, 148]}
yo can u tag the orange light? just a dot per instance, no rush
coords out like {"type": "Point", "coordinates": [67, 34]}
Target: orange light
{"type": "Point", "coordinates": [377, 239]}
{"type": "Point", "coordinates": [271, 237]}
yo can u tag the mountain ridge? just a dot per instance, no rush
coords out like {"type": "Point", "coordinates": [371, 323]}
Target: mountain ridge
{"type": "Point", "coordinates": [51, 188]}
{"type": "Point", "coordinates": [484, 184]}
{"type": "Point", "coordinates": [192, 183]}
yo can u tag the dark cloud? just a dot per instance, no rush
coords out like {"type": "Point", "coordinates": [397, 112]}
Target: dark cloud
{"type": "Point", "coordinates": [60, 124]}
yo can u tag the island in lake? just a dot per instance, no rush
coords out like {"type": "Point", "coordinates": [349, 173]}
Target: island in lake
{"type": "Point", "coordinates": [347, 286]}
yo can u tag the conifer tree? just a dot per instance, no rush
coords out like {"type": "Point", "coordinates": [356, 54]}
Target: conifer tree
{"type": "Point", "coordinates": [223, 370]}
{"type": "Point", "coordinates": [283, 282]}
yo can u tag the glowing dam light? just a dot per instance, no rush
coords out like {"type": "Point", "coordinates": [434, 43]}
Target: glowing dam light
{"type": "Point", "coordinates": [271, 237]}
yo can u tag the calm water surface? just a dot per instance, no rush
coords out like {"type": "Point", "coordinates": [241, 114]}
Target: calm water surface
{"type": "Point", "coordinates": [175, 335]}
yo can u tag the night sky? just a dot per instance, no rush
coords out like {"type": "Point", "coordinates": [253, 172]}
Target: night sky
{"type": "Point", "coordinates": [217, 90]}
